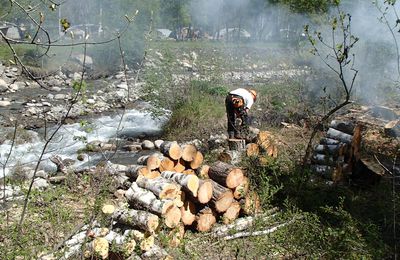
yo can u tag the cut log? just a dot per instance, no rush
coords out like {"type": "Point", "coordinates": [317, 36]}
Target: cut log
{"type": "Point", "coordinates": [178, 201]}
{"type": "Point", "coordinates": [175, 236]}
{"type": "Point", "coordinates": [152, 161]}
{"type": "Point", "coordinates": [180, 166]}
{"type": "Point", "coordinates": [133, 171]}
{"type": "Point", "coordinates": [156, 252]}
{"type": "Point", "coordinates": [202, 172]}
{"type": "Point", "coordinates": [263, 136]}
{"type": "Point", "coordinates": [171, 150]}
{"type": "Point", "coordinates": [222, 197]}
{"type": "Point", "coordinates": [251, 203]}
{"type": "Point", "coordinates": [189, 152]}
{"type": "Point", "coordinates": [252, 149]}
{"type": "Point", "coordinates": [161, 187]}
{"type": "Point", "coordinates": [323, 170]}
{"type": "Point", "coordinates": [137, 218]}
{"type": "Point", "coordinates": [172, 217]}
{"type": "Point", "coordinates": [189, 172]}
{"type": "Point", "coordinates": [147, 243]}
{"type": "Point", "coordinates": [329, 141]}
{"type": "Point", "coordinates": [108, 209]}
{"type": "Point", "coordinates": [205, 191]}
{"type": "Point", "coordinates": [323, 159]}
{"type": "Point", "coordinates": [100, 247]}
{"type": "Point", "coordinates": [241, 190]}
{"type": "Point", "coordinates": [343, 126]}
{"type": "Point", "coordinates": [205, 219]}
{"type": "Point", "coordinates": [237, 144]}
{"type": "Point", "coordinates": [152, 174]}
{"type": "Point", "coordinates": [226, 174]}
{"type": "Point", "coordinates": [190, 183]}
{"type": "Point", "coordinates": [231, 213]}
{"type": "Point", "coordinates": [197, 161]}
{"type": "Point", "coordinates": [338, 135]}
{"type": "Point", "coordinates": [188, 211]}
{"type": "Point", "coordinates": [142, 198]}
{"type": "Point", "coordinates": [166, 164]}
{"type": "Point", "coordinates": [272, 151]}
{"type": "Point", "coordinates": [242, 223]}
{"type": "Point", "coordinates": [331, 149]}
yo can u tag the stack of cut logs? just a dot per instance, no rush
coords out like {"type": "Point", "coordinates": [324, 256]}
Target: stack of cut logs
{"type": "Point", "coordinates": [173, 184]}
{"type": "Point", "coordinates": [336, 154]}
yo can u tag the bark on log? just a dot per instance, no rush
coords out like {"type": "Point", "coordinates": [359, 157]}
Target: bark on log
{"type": "Point", "coordinates": [188, 211]}
{"type": "Point", "coordinates": [205, 191]}
{"type": "Point", "coordinates": [156, 252]}
{"type": "Point", "coordinates": [237, 144]}
{"type": "Point", "coordinates": [323, 170]}
{"type": "Point", "coordinates": [171, 150]}
{"type": "Point", "coordinates": [161, 187]}
{"type": "Point", "coordinates": [241, 190]}
{"type": "Point", "coordinates": [137, 218]}
{"type": "Point", "coordinates": [323, 159]}
{"type": "Point", "coordinates": [343, 126]}
{"type": "Point", "coordinates": [189, 152]}
{"type": "Point", "coordinates": [231, 213]}
{"type": "Point", "coordinates": [205, 219]}
{"type": "Point", "coordinates": [338, 135]}
{"type": "Point", "coordinates": [133, 171]}
{"type": "Point", "coordinates": [329, 141]}
{"type": "Point", "coordinates": [226, 174]}
{"type": "Point", "coordinates": [190, 183]}
{"type": "Point", "coordinates": [202, 172]}
{"type": "Point", "coordinates": [251, 203]}
{"type": "Point", "coordinates": [146, 199]}
{"type": "Point", "coordinates": [252, 149]}
{"type": "Point", "coordinates": [221, 198]}
{"type": "Point", "coordinates": [197, 161]}
{"type": "Point", "coordinates": [331, 149]}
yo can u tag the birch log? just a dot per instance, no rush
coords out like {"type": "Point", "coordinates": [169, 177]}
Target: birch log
{"type": "Point", "coordinates": [197, 161]}
{"type": "Point", "coordinates": [205, 219]}
{"type": "Point", "coordinates": [338, 135]}
{"type": "Point", "coordinates": [205, 191]}
{"type": "Point", "coordinates": [152, 161]}
{"type": "Point", "coordinates": [161, 187]}
{"type": "Point", "coordinates": [189, 152]}
{"type": "Point", "coordinates": [221, 198]}
{"type": "Point", "coordinates": [166, 164]}
{"type": "Point", "coordinates": [226, 174]}
{"type": "Point", "coordinates": [202, 171]}
{"type": "Point", "coordinates": [137, 218]}
{"type": "Point", "coordinates": [188, 212]}
{"type": "Point", "coordinates": [190, 183]}
{"type": "Point", "coordinates": [231, 213]}
{"type": "Point", "coordinates": [171, 150]}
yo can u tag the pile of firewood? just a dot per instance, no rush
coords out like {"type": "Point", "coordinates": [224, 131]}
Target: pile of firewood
{"type": "Point", "coordinates": [338, 152]}
{"type": "Point", "coordinates": [171, 187]}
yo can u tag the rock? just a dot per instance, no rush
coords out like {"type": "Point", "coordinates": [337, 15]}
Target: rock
{"type": "Point", "coordinates": [5, 103]}
{"type": "Point", "coordinates": [3, 86]}
{"type": "Point", "coordinates": [158, 143]}
{"type": "Point", "coordinates": [123, 86]}
{"type": "Point", "coordinates": [42, 174]}
{"type": "Point", "coordinates": [148, 145]}
{"type": "Point", "coordinates": [40, 184]}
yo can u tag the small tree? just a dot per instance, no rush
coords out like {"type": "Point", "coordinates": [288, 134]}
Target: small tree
{"type": "Point", "coordinates": [339, 59]}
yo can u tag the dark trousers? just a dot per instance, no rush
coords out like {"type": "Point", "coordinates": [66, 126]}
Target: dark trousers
{"type": "Point", "coordinates": [232, 113]}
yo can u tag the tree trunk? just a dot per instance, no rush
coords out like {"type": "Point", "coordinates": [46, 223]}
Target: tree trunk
{"type": "Point", "coordinates": [188, 211]}
{"type": "Point", "coordinates": [231, 213]}
{"type": "Point", "coordinates": [241, 190]}
{"type": "Point", "coordinates": [202, 172]}
{"type": "Point", "coordinates": [190, 183]}
{"type": "Point", "coordinates": [205, 191]}
{"type": "Point", "coordinates": [171, 149]}
{"type": "Point", "coordinates": [226, 174]}
{"type": "Point", "coordinates": [189, 152]}
{"type": "Point", "coordinates": [137, 218]}
{"type": "Point", "coordinates": [338, 135]}
{"type": "Point", "coordinates": [147, 200]}
{"type": "Point", "coordinates": [167, 164]}
{"type": "Point", "coordinates": [221, 198]}
{"type": "Point", "coordinates": [251, 203]}
{"type": "Point", "coordinates": [197, 161]}
{"type": "Point", "coordinates": [237, 145]}
{"type": "Point", "coordinates": [152, 161]}
{"type": "Point", "coordinates": [252, 149]}
{"type": "Point", "coordinates": [161, 187]}
{"type": "Point", "coordinates": [205, 219]}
